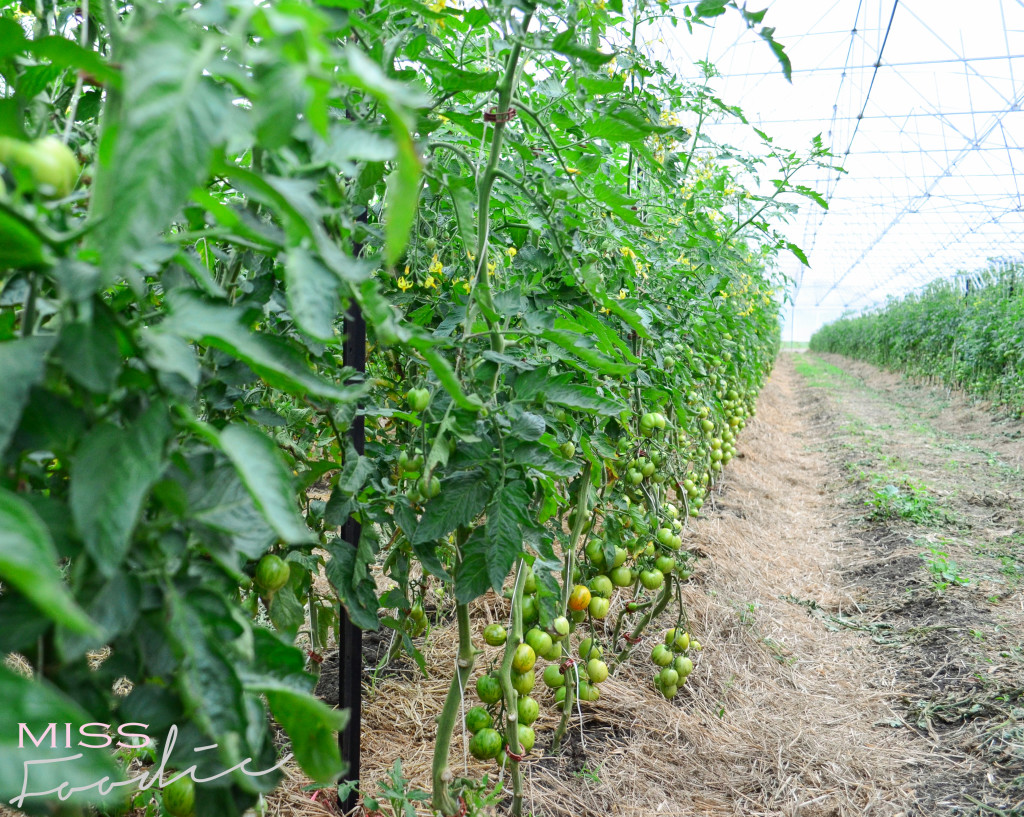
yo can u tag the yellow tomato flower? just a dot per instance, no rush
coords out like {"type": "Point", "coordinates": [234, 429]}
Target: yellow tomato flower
{"type": "Point", "coordinates": [511, 252]}
{"type": "Point", "coordinates": [435, 267]}
{"type": "Point", "coordinates": [430, 283]}
{"type": "Point", "coordinates": [491, 267]}
{"type": "Point", "coordinates": [404, 283]}
{"type": "Point", "coordinates": [622, 294]}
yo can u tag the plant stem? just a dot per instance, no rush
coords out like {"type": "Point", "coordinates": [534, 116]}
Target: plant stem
{"type": "Point", "coordinates": [641, 625]}
{"type": "Point", "coordinates": [442, 777]}
{"type": "Point", "coordinates": [577, 531]}
{"type": "Point", "coordinates": [515, 638]}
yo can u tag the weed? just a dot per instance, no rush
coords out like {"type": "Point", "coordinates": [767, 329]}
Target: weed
{"type": "Point", "coordinates": [943, 570]}
{"type": "Point", "coordinates": [586, 773]}
{"type": "Point", "coordinates": [909, 500]}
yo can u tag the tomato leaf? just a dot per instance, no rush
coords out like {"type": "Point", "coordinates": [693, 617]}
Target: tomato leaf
{"type": "Point", "coordinates": [462, 499]}
{"type": "Point", "coordinates": [267, 479]}
{"type": "Point", "coordinates": [312, 727]}
{"type": "Point", "coordinates": [506, 518]}
{"type": "Point", "coordinates": [22, 366]}
{"type": "Point", "coordinates": [28, 563]}
{"type": "Point", "coordinates": [111, 474]}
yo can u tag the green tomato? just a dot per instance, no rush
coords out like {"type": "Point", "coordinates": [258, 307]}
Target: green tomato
{"type": "Point", "coordinates": [527, 709]}
{"type": "Point", "coordinates": [478, 718]}
{"type": "Point", "coordinates": [539, 640]}
{"type": "Point", "coordinates": [589, 648]}
{"type": "Point", "coordinates": [179, 797]}
{"type": "Point", "coordinates": [622, 576]}
{"type": "Point", "coordinates": [651, 579]}
{"type": "Point", "coordinates": [568, 450]}
{"type": "Point", "coordinates": [418, 399]}
{"type": "Point", "coordinates": [486, 744]}
{"type": "Point", "coordinates": [522, 682]}
{"type": "Point", "coordinates": [495, 635]}
{"type": "Point", "coordinates": [526, 738]}
{"type": "Point", "coordinates": [49, 160]}
{"type": "Point", "coordinates": [488, 689]}
{"type": "Point", "coordinates": [553, 676]}
{"type": "Point", "coordinates": [524, 658]}
{"type": "Point", "coordinates": [661, 656]}
{"type": "Point", "coordinates": [272, 573]}
{"type": "Point", "coordinates": [599, 607]}
{"type": "Point", "coordinates": [601, 585]}
{"type": "Point", "coordinates": [597, 670]}
{"type": "Point", "coordinates": [561, 626]}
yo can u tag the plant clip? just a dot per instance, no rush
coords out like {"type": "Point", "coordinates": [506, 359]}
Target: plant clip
{"type": "Point", "coordinates": [463, 808]}
{"type": "Point", "coordinates": [505, 116]}
{"type": "Point", "coordinates": [568, 662]}
{"type": "Point", "coordinates": [630, 638]}
{"type": "Point", "coordinates": [514, 756]}
{"type": "Point", "coordinates": [315, 657]}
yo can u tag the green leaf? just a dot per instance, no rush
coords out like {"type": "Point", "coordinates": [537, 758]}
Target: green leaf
{"type": "Point", "coordinates": [506, 518]}
{"type": "Point", "coordinates": [576, 345]}
{"type": "Point", "coordinates": [462, 499]}
{"type": "Point", "coordinates": [69, 54]}
{"type": "Point", "coordinates": [565, 43]}
{"type": "Point", "coordinates": [313, 294]}
{"type": "Point", "coordinates": [90, 353]}
{"type": "Point", "coordinates": [20, 246]}
{"type": "Point", "coordinates": [268, 480]}
{"type": "Point", "coordinates": [710, 8]}
{"type": "Point", "coordinates": [38, 705]}
{"type": "Point", "coordinates": [159, 146]}
{"type": "Point", "coordinates": [312, 727]}
{"type": "Point", "coordinates": [349, 574]}
{"type": "Point", "coordinates": [28, 563]}
{"type": "Point", "coordinates": [22, 366]}
{"type": "Point", "coordinates": [111, 474]}
{"type": "Point", "coordinates": [403, 191]}
{"type": "Point", "coordinates": [472, 576]}
{"type": "Point", "coordinates": [799, 253]}
{"type": "Point", "coordinates": [273, 359]}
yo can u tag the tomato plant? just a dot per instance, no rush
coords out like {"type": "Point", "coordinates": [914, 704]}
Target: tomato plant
{"type": "Point", "coordinates": [571, 303]}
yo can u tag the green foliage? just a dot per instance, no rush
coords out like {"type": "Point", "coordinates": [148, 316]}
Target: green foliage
{"type": "Point", "coordinates": [536, 241]}
{"type": "Point", "coordinates": [965, 333]}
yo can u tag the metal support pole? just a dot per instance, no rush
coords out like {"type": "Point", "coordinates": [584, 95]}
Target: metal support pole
{"type": "Point", "coordinates": [350, 644]}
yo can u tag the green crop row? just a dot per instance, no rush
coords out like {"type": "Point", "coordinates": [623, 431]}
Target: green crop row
{"type": "Point", "coordinates": [967, 333]}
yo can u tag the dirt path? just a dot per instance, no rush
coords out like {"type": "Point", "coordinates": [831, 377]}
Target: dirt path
{"type": "Point", "coordinates": [929, 494]}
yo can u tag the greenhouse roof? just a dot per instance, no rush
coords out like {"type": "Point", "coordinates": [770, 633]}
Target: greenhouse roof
{"type": "Point", "coordinates": [920, 101]}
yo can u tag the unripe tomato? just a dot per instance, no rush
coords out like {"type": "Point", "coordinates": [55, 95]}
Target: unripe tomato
{"type": "Point", "coordinates": [651, 579]}
{"type": "Point", "coordinates": [539, 640]}
{"type": "Point", "coordinates": [49, 160]}
{"type": "Point", "coordinates": [272, 573]}
{"type": "Point", "coordinates": [552, 653]}
{"type": "Point", "coordinates": [669, 691]}
{"type": "Point", "coordinates": [486, 744]}
{"type": "Point", "coordinates": [589, 692]}
{"type": "Point", "coordinates": [179, 797]}
{"type": "Point", "coordinates": [488, 689]}
{"type": "Point", "coordinates": [683, 665]}
{"type": "Point", "coordinates": [597, 670]}
{"type": "Point", "coordinates": [579, 599]}
{"type": "Point", "coordinates": [527, 709]}
{"type": "Point", "coordinates": [553, 676]}
{"type": "Point", "coordinates": [666, 564]}
{"type": "Point", "coordinates": [599, 607]}
{"type": "Point", "coordinates": [526, 738]}
{"type": "Point", "coordinates": [622, 576]}
{"type": "Point", "coordinates": [561, 626]}
{"type": "Point", "coordinates": [568, 450]}
{"type": "Point", "coordinates": [478, 718]}
{"type": "Point", "coordinates": [524, 658]}
{"type": "Point", "coordinates": [418, 399]}
{"type": "Point", "coordinates": [589, 649]}
{"type": "Point", "coordinates": [595, 552]}
{"type": "Point", "coordinates": [661, 656]}
{"type": "Point", "coordinates": [430, 244]}
{"type": "Point", "coordinates": [531, 612]}
{"type": "Point", "coordinates": [495, 635]}
{"type": "Point", "coordinates": [668, 677]}
{"type": "Point", "coordinates": [522, 682]}
{"type": "Point", "coordinates": [429, 488]}
{"type": "Point", "coordinates": [601, 585]}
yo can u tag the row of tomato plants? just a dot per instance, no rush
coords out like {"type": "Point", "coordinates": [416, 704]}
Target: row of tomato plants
{"type": "Point", "coordinates": [570, 308]}
{"type": "Point", "coordinates": [964, 333]}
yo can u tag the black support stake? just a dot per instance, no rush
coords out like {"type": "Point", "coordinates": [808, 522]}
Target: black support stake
{"type": "Point", "coordinates": [350, 644]}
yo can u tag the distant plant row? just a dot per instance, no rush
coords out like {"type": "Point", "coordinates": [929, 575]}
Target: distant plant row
{"type": "Point", "coordinates": [967, 333]}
